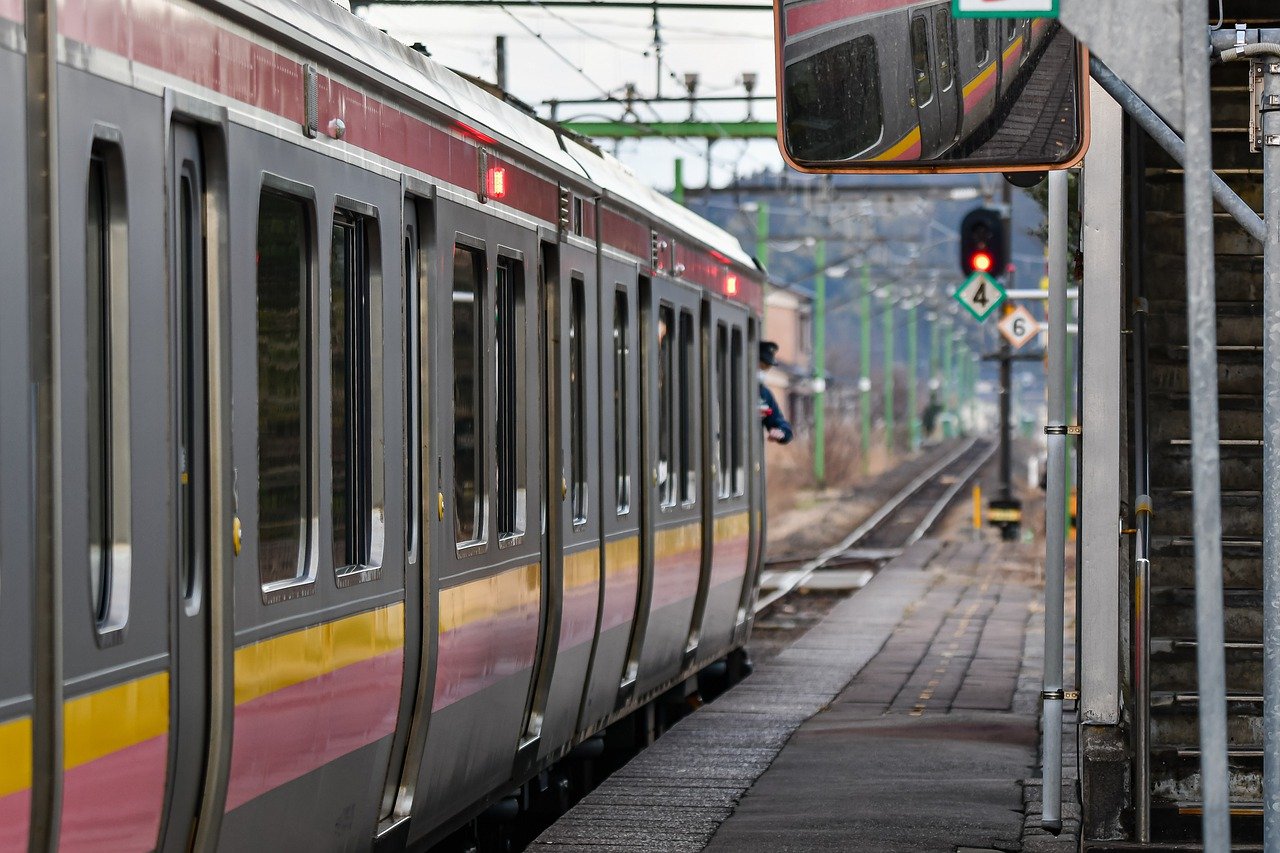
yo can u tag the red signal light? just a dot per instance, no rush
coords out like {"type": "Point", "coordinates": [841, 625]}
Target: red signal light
{"type": "Point", "coordinates": [981, 262]}
{"type": "Point", "coordinates": [495, 182]}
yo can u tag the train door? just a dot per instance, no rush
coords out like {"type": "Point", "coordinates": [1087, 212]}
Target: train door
{"type": "Point", "coordinates": [420, 610]}
{"type": "Point", "coordinates": [673, 555]}
{"type": "Point", "coordinates": [725, 510]}
{"type": "Point", "coordinates": [190, 629]}
{"type": "Point", "coordinates": [950, 99]}
{"type": "Point", "coordinates": [572, 576]}
{"type": "Point", "coordinates": [925, 94]}
{"type": "Point", "coordinates": [753, 468]}
{"type": "Point", "coordinates": [619, 487]}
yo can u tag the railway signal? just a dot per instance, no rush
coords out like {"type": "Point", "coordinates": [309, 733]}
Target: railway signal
{"type": "Point", "coordinates": [982, 243]}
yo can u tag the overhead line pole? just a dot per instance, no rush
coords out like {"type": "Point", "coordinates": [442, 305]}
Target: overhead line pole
{"type": "Point", "coordinates": [864, 379]}
{"type": "Point", "coordinates": [887, 320]}
{"type": "Point", "coordinates": [820, 365]}
{"type": "Point", "coordinates": [673, 5]}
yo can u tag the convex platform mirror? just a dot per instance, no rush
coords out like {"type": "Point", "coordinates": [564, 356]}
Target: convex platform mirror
{"type": "Point", "coordinates": [888, 86]}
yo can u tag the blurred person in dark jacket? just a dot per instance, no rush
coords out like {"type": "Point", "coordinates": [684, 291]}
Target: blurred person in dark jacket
{"type": "Point", "coordinates": [774, 422]}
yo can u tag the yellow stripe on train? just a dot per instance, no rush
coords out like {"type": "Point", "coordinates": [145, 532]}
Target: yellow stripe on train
{"type": "Point", "coordinates": [279, 662]}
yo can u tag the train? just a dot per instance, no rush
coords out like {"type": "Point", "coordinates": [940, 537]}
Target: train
{"type": "Point", "coordinates": [369, 444]}
{"type": "Point", "coordinates": [933, 86]}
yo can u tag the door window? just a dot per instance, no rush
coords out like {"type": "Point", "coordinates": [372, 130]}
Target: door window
{"type": "Point", "coordinates": [920, 60]}
{"type": "Point", "coordinates": [468, 396]}
{"type": "Point", "coordinates": [509, 334]}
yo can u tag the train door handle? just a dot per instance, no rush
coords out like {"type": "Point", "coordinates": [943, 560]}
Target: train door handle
{"type": "Point", "coordinates": [564, 488]}
{"type": "Point", "coordinates": [440, 505]}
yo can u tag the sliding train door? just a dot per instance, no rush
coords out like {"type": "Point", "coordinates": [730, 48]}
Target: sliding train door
{"type": "Point", "coordinates": [672, 560]}
{"type": "Point", "coordinates": [621, 482]}
{"type": "Point", "coordinates": [484, 520]}
{"type": "Point", "coordinates": [572, 576]}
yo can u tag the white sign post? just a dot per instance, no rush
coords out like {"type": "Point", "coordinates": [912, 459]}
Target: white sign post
{"type": "Point", "coordinates": [1019, 327]}
{"type": "Point", "coordinates": [980, 294]}
{"type": "Point", "coordinates": [1004, 8]}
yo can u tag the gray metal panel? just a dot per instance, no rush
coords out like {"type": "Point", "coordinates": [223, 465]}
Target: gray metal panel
{"type": "Point", "coordinates": [1103, 361]}
{"type": "Point", "coordinates": [1139, 40]}
{"type": "Point", "coordinates": [16, 568]}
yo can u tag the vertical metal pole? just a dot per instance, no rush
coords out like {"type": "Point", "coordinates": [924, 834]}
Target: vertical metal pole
{"type": "Point", "coordinates": [677, 192]}
{"type": "Point", "coordinates": [949, 369]}
{"type": "Point", "coordinates": [1055, 534]}
{"type": "Point", "coordinates": [1205, 460]}
{"type": "Point", "coordinates": [820, 365]}
{"type": "Point", "coordinates": [1006, 393]}
{"type": "Point", "coordinates": [762, 233]}
{"type": "Point", "coordinates": [889, 358]}
{"type": "Point", "coordinates": [500, 62]}
{"type": "Point", "coordinates": [913, 373]}
{"type": "Point", "coordinates": [864, 379]}
{"type": "Point", "coordinates": [1271, 457]}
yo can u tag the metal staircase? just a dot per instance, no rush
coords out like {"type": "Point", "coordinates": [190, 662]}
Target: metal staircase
{"type": "Point", "coordinates": [1172, 737]}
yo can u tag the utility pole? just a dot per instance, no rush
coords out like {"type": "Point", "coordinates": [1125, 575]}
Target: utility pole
{"type": "Point", "coordinates": [864, 370]}
{"type": "Point", "coordinates": [913, 371]}
{"type": "Point", "coordinates": [887, 318]}
{"type": "Point", "coordinates": [820, 365]}
{"type": "Point", "coordinates": [1008, 507]}
{"type": "Point", "coordinates": [762, 233]}
{"type": "Point", "coordinates": [948, 377]}
{"type": "Point", "coordinates": [500, 62]}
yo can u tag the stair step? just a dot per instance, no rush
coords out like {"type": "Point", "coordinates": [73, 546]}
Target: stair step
{"type": "Point", "coordinates": [1240, 466]}
{"type": "Point", "coordinates": [1237, 324]}
{"type": "Point", "coordinates": [1241, 515]}
{"type": "Point", "coordinates": [1238, 278]}
{"type": "Point", "coordinates": [1234, 376]}
{"type": "Point", "coordinates": [1165, 192]}
{"type": "Point", "coordinates": [1165, 236]}
{"type": "Point", "coordinates": [1239, 420]}
{"type": "Point", "coordinates": [1173, 613]}
{"type": "Point", "coordinates": [1175, 776]}
{"type": "Point", "coordinates": [1174, 724]}
{"type": "Point", "coordinates": [1173, 666]}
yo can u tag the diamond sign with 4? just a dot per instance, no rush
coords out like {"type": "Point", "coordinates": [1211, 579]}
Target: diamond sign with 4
{"type": "Point", "coordinates": [980, 293]}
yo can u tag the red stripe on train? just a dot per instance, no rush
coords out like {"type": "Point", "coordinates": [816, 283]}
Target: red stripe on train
{"type": "Point", "coordinates": [287, 733]}
{"type": "Point", "coordinates": [809, 17]}
{"type": "Point", "coordinates": [479, 654]}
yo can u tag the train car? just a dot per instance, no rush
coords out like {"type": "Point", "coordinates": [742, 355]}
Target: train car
{"type": "Point", "coordinates": [402, 442]}
{"type": "Point", "coordinates": [938, 84]}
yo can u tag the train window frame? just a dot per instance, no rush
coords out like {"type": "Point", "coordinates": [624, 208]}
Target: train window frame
{"type": "Point", "coordinates": [687, 360]}
{"type": "Point", "coordinates": [621, 391]}
{"type": "Point", "coordinates": [922, 71]}
{"type": "Point", "coordinates": [981, 40]}
{"type": "Point", "coordinates": [477, 543]}
{"type": "Point", "coordinates": [665, 352]}
{"type": "Point", "coordinates": [576, 333]}
{"type": "Point", "coordinates": [511, 390]}
{"type": "Point", "coordinates": [944, 32]}
{"type": "Point", "coordinates": [741, 385]}
{"type": "Point", "coordinates": [364, 442]}
{"type": "Point", "coordinates": [413, 291]}
{"type": "Point", "coordinates": [720, 436]}
{"type": "Point", "coordinates": [865, 53]}
{"type": "Point", "coordinates": [303, 581]}
{"type": "Point", "coordinates": [107, 351]}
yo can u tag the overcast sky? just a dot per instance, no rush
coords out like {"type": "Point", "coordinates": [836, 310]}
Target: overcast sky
{"type": "Point", "coordinates": [583, 53]}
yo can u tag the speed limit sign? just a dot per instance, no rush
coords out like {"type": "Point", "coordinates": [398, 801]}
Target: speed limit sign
{"type": "Point", "coordinates": [1019, 326]}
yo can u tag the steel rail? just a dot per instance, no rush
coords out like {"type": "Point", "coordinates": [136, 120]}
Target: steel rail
{"type": "Point", "coordinates": [796, 578]}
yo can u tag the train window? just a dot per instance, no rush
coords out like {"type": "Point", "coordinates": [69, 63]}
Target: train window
{"type": "Point", "coordinates": [577, 215]}
{"type": "Point", "coordinates": [720, 438]}
{"type": "Point", "coordinates": [981, 41]}
{"type": "Point", "coordinates": [284, 389]}
{"type": "Point", "coordinates": [827, 122]}
{"type": "Point", "coordinates": [509, 333]}
{"type": "Point", "coordinates": [942, 30]}
{"type": "Point", "coordinates": [621, 388]}
{"type": "Point", "coordinates": [920, 60]}
{"type": "Point", "coordinates": [688, 392]}
{"type": "Point", "coordinates": [355, 349]}
{"type": "Point", "coordinates": [737, 431]}
{"type": "Point", "coordinates": [468, 396]}
{"type": "Point", "coordinates": [666, 406]}
{"type": "Point", "coordinates": [412, 399]}
{"type": "Point", "coordinates": [577, 399]}
{"type": "Point", "coordinates": [106, 374]}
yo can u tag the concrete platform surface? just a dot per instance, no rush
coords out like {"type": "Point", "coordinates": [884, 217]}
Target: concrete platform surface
{"type": "Point", "coordinates": [901, 722]}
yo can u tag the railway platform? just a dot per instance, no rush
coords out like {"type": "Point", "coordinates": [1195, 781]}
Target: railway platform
{"type": "Point", "coordinates": [906, 720]}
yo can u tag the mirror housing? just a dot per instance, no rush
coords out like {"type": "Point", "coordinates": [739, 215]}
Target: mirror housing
{"type": "Point", "coordinates": [908, 87]}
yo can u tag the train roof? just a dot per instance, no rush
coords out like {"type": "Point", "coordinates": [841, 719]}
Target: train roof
{"type": "Point", "coordinates": [342, 32]}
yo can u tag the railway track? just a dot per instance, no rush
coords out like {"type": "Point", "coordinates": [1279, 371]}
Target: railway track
{"type": "Point", "coordinates": [901, 521]}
